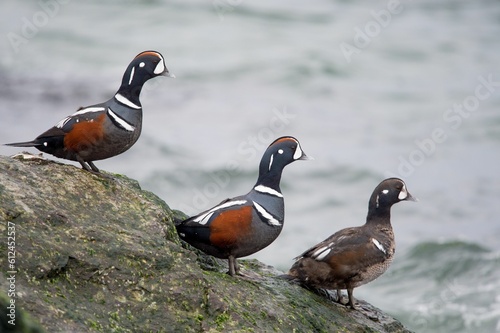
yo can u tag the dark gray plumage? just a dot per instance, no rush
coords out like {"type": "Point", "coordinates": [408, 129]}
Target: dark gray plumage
{"type": "Point", "coordinates": [107, 129]}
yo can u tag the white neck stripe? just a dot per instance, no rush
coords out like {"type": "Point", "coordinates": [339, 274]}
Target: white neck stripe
{"type": "Point", "coordinates": [267, 190]}
{"type": "Point", "coordinates": [125, 101]}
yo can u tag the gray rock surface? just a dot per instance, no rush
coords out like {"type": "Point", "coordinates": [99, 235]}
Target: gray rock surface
{"type": "Point", "coordinates": [99, 254]}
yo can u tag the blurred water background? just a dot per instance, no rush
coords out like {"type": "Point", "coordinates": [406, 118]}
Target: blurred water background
{"type": "Point", "coordinates": [371, 89]}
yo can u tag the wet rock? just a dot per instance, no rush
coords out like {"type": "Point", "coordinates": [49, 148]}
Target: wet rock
{"type": "Point", "coordinates": [99, 254]}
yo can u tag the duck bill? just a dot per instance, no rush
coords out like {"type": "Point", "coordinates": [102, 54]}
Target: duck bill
{"type": "Point", "coordinates": [410, 197]}
{"type": "Point", "coordinates": [168, 74]}
{"type": "Point", "coordinates": [304, 157]}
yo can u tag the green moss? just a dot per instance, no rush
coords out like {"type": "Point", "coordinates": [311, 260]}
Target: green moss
{"type": "Point", "coordinates": [94, 325]}
{"type": "Point", "coordinates": [221, 320]}
{"type": "Point", "coordinates": [102, 255]}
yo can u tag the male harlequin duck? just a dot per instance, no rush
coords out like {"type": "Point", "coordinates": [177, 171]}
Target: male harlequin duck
{"type": "Point", "coordinates": [354, 256]}
{"type": "Point", "coordinates": [245, 224]}
{"type": "Point", "coordinates": [103, 130]}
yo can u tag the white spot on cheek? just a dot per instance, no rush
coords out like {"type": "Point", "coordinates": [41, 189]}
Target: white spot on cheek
{"type": "Point", "coordinates": [298, 152]}
{"type": "Point", "coordinates": [45, 144]}
{"type": "Point", "coordinates": [403, 194]}
{"type": "Point", "coordinates": [280, 151]}
{"type": "Point", "coordinates": [160, 68]}
{"type": "Point", "coordinates": [385, 191]}
{"type": "Point", "coordinates": [142, 64]}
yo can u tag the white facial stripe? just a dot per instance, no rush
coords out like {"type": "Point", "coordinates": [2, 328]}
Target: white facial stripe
{"type": "Point", "coordinates": [203, 219]}
{"type": "Point", "coordinates": [269, 218]}
{"type": "Point", "coordinates": [271, 162]}
{"type": "Point", "coordinates": [125, 101]}
{"type": "Point", "coordinates": [160, 67]}
{"type": "Point", "coordinates": [298, 152]}
{"type": "Point", "coordinates": [403, 194]}
{"type": "Point", "coordinates": [63, 122]}
{"type": "Point", "coordinates": [378, 245]}
{"type": "Point", "coordinates": [268, 190]}
{"type": "Point", "coordinates": [126, 126]}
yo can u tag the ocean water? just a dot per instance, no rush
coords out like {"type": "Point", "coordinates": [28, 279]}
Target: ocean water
{"type": "Point", "coordinates": [371, 89]}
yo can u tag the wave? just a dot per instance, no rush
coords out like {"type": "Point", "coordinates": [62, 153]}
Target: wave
{"type": "Point", "coordinates": [444, 287]}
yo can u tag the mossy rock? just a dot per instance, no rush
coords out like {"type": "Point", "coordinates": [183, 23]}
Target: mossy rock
{"type": "Point", "coordinates": [99, 254]}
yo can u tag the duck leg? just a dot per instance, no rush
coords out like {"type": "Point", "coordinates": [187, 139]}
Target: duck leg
{"type": "Point", "coordinates": [351, 298]}
{"type": "Point", "coordinates": [233, 266]}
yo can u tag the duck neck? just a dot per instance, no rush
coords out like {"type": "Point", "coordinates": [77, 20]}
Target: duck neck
{"type": "Point", "coordinates": [131, 86]}
{"type": "Point", "coordinates": [378, 215]}
{"type": "Point", "coordinates": [270, 178]}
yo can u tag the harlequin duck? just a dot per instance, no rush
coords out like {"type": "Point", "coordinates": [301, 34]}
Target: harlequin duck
{"type": "Point", "coordinates": [245, 224]}
{"type": "Point", "coordinates": [107, 129]}
{"type": "Point", "coordinates": [354, 256]}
